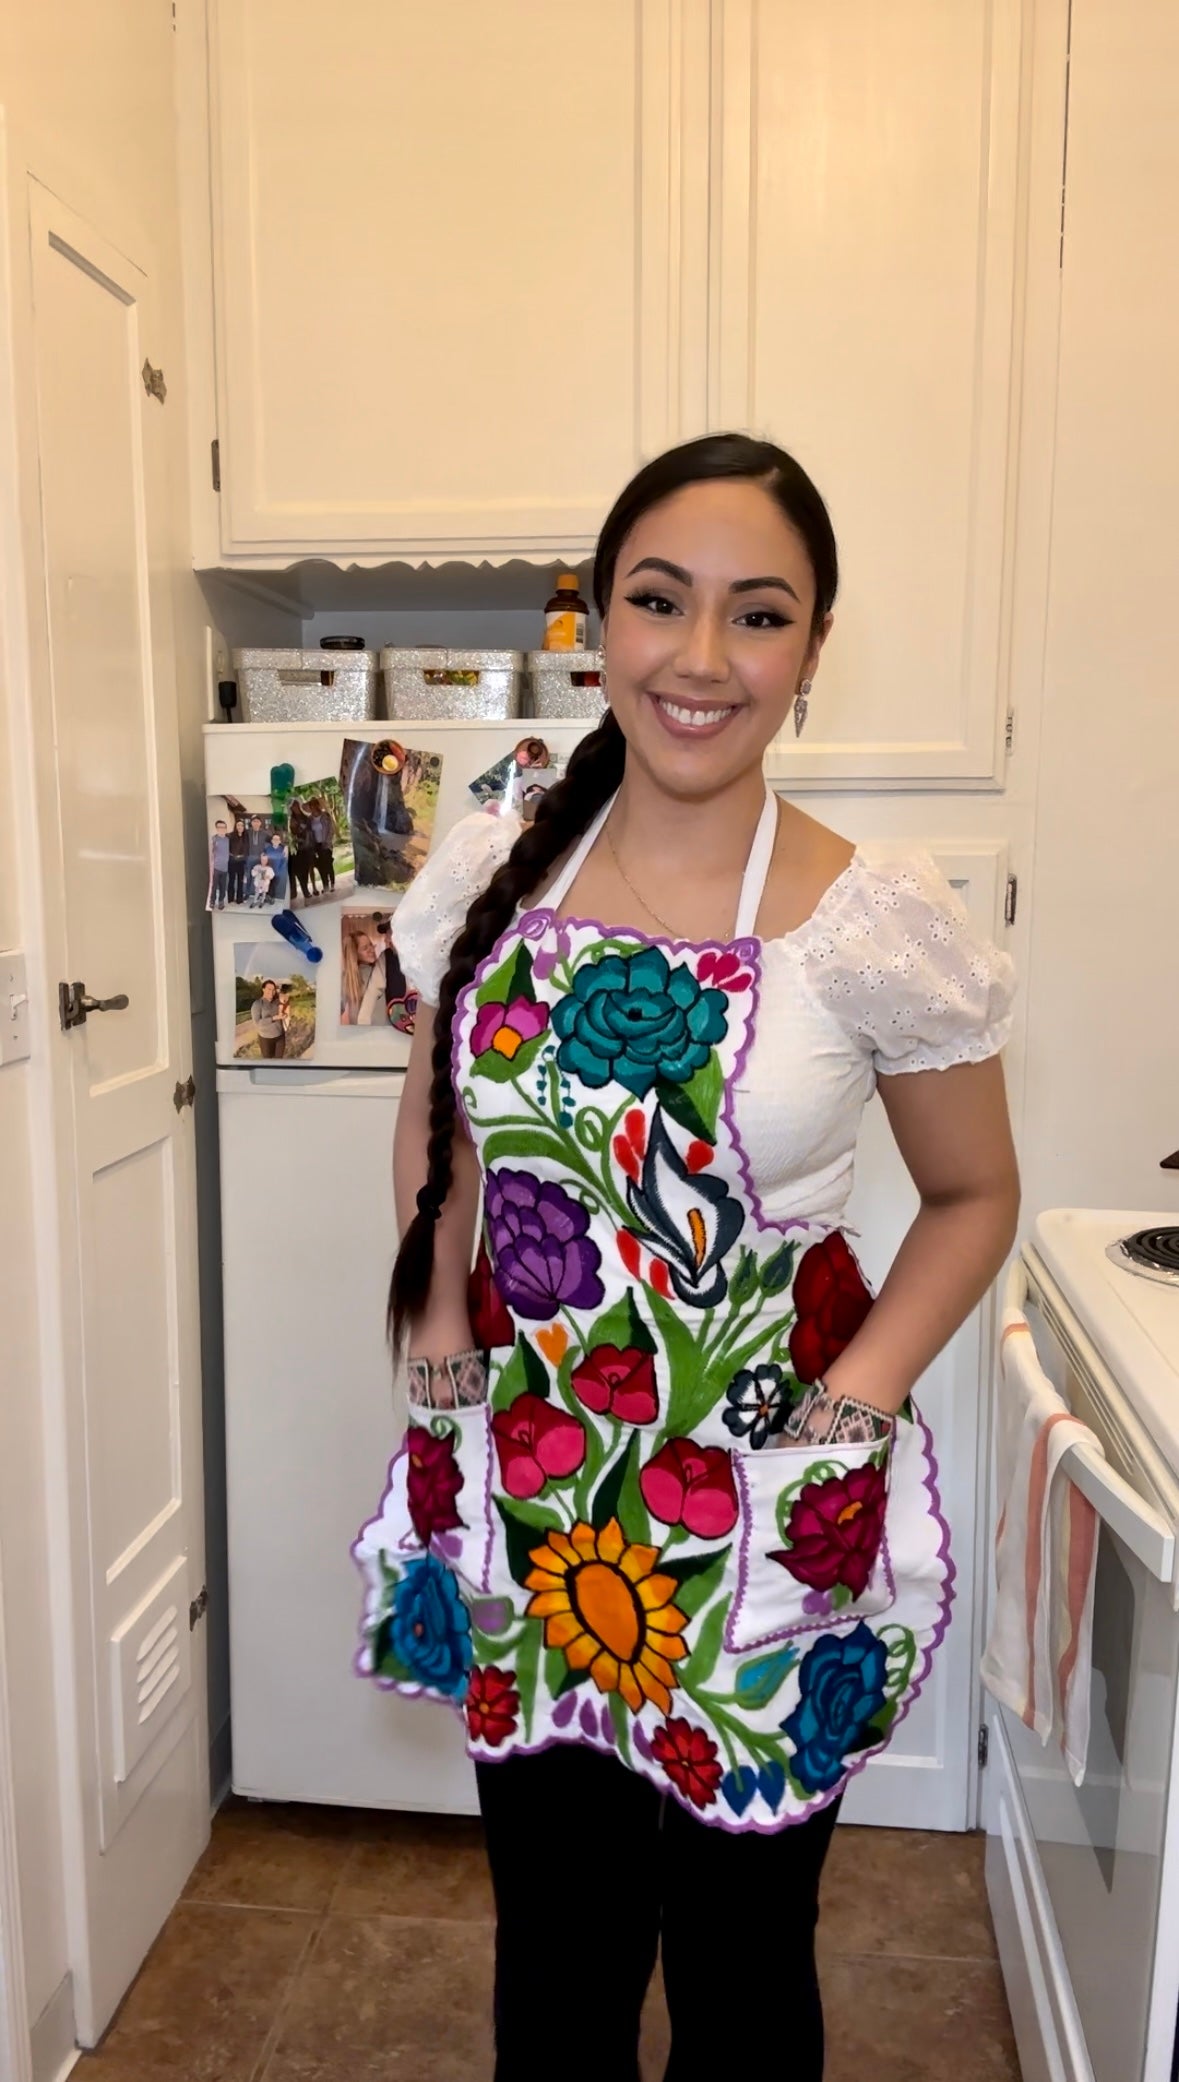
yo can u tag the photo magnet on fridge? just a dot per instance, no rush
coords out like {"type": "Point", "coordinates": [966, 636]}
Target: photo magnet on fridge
{"type": "Point", "coordinates": [318, 839]}
{"type": "Point", "coordinates": [501, 786]}
{"type": "Point", "coordinates": [275, 1004]}
{"type": "Point", "coordinates": [247, 854]}
{"type": "Point", "coordinates": [392, 799]}
{"type": "Point", "coordinates": [373, 989]}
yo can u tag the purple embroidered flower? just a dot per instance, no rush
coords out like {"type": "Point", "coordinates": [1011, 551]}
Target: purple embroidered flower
{"type": "Point", "coordinates": [542, 1255]}
{"type": "Point", "coordinates": [538, 926]}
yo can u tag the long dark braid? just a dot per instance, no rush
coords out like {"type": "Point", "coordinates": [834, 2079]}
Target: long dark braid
{"type": "Point", "coordinates": [595, 771]}
{"type": "Point", "coordinates": [563, 813]}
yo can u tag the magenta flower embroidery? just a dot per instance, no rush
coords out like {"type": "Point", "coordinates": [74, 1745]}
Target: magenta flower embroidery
{"type": "Point", "coordinates": [538, 1242]}
{"type": "Point", "coordinates": [506, 1028]}
{"type": "Point", "coordinates": [721, 969]}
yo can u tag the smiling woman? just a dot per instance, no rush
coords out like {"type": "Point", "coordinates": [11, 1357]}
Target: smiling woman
{"type": "Point", "coordinates": [698, 1536]}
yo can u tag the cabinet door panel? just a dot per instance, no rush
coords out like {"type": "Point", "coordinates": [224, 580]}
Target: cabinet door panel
{"type": "Point", "coordinates": [865, 236]}
{"type": "Point", "coordinates": [449, 269]}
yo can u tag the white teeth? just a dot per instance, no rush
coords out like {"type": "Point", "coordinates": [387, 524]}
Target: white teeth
{"type": "Point", "coordinates": [694, 718]}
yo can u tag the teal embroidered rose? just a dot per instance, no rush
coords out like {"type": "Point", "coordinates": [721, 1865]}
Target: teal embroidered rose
{"type": "Point", "coordinates": [637, 1020]}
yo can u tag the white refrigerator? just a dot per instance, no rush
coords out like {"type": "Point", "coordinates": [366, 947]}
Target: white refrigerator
{"type": "Point", "coordinates": [308, 1236]}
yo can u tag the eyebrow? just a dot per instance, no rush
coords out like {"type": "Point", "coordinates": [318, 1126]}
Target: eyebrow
{"type": "Point", "coordinates": [739, 585]}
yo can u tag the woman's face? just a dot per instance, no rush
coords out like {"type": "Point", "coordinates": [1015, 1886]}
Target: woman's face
{"type": "Point", "coordinates": [269, 991]}
{"type": "Point", "coordinates": [365, 950]}
{"type": "Point", "coordinates": [709, 634]}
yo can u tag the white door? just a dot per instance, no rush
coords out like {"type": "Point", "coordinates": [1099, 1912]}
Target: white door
{"type": "Point", "coordinates": [109, 812]}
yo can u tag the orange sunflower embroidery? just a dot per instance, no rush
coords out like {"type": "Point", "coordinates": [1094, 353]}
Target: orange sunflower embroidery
{"type": "Point", "coordinates": [608, 1612]}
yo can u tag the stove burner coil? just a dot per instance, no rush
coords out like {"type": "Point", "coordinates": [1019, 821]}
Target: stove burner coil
{"type": "Point", "coordinates": [1157, 1250]}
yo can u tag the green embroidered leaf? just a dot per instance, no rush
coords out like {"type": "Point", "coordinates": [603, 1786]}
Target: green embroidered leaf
{"type": "Point", "coordinates": [555, 1668]}
{"type": "Point", "coordinates": [696, 1104]}
{"type": "Point", "coordinates": [905, 1413]}
{"type": "Point", "coordinates": [605, 1504]}
{"type": "Point", "coordinates": [622, 1325]}
{"type": "Point", "coordinates": [696, 1578]}
{"type": "Point", "coordinates": [620, 1715]}
{"type": "Point", "coordinates": [502, 1069]}
{"type": "Point", "coordinates": [527, 1664]}
{"type": "Point", "coordinates": [523, 1534]}
{"type": "Point", "coordinates": [386, 1661]}
{"type": "Point", "coordinates": [758, 1681]}
{"type": "Point", "coordinates": [841, 1597]}
{"type": "Point", "coordinates": [692, 1392]}
{"type": "Point", "coordinates": [778, 1269]}
{"type": "Point", "coordinates": [632, 1510]}
{"type": "Point", "coordinates": [570, 1682]}
{"type": "Point", "coordinates": [744, 1281]}
{"type": "Point", "coordinates": [512, 979]}
{"type": "Point", "coordinates": [701, 1663]}
{"type": "Point", "coordinates": [536, 1373]}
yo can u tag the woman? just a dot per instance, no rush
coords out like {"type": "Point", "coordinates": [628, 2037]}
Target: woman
{"type": "Point", "coordinates": [680, 1557]}
{"type": "Point", "coordinates": [301, 852]}
{"type": "Point", "coordinates": [323, 839]}
{"type": "Point", "coordinates": [362, 980]}
{"type": "Point", "coordinates": [266, 1013]}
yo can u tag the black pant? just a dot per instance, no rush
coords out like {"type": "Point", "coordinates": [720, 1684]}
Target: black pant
{"type": "Point", "coordinates": [237, 878]}
{"type": "Point", "coordinates": [592, 1868]}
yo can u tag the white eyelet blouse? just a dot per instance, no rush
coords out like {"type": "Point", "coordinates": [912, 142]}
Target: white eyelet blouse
{"type": "Point", "coordinates": [886, 977]}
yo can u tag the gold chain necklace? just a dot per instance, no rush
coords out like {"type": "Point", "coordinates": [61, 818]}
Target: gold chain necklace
{"type": "Point", "coordinates": [648, 908]}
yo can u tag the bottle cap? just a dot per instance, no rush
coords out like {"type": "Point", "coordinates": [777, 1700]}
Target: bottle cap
{"type": "Point", "coordinates": [568, 582]}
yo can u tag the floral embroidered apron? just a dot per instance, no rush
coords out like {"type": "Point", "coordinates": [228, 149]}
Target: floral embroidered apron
{"type": "Point", "coordinates": [614, 1548]}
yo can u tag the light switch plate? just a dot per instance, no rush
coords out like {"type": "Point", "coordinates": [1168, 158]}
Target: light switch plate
{"type": "Point", "coordinates": [14, 1009]}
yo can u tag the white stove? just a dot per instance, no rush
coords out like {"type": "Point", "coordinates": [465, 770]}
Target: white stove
{"type": "Point", "coordinates": [1084, 1881]}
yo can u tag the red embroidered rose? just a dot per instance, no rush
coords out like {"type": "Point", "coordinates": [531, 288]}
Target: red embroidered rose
{"type": "Point", "coordinates": [723, 970]}
{"type": "Point", "coordinates": [614, 1383]}
{"type": "Point", "coordinates": [433, 1482]}
{"type": "Point", "coordinates": [835, 1529]}
{"type": "Point", "coordinates": [830, 1301]}
{"type": "Point", "coordinates": [534, 1441]}
{"type": "Point", "coordinates": [690, 1760]}
{"type": "Point", "coordinates": [492, 1705]}
{"type": "Point", "coordinates": [491, 1325]}
{"type": "Point", "coordinates": [690, 1485]}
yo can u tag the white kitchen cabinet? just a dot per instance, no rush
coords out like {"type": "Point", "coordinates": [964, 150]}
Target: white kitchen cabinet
{"type": "Point", "coordinates": [460, 268]}
{"type": "Point", "coordinates": [472, 264]}
{"type": "Point", "coordinates": [866, 227]}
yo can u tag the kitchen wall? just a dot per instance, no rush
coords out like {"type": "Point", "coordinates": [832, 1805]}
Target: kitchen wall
{"type": "Point", "coordinates": [86, 90]}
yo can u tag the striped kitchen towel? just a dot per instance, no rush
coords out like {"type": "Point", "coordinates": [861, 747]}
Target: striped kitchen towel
{"type": "Point", "coordinates": [1038, 1659]}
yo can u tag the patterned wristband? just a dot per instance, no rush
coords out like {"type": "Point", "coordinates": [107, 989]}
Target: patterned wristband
{"type": "Point", "coordinates": [458, 1382]}
{"type": "Point", "coordinates": [836, 1420]}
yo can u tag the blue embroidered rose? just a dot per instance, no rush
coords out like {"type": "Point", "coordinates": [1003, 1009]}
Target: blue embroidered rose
{"type": "Point", "coordinates": [636, 1019]}
{"type": "Point", "coordinates": [841, 1689]}
{"type": "Point", "coordinates": [430, 1631]}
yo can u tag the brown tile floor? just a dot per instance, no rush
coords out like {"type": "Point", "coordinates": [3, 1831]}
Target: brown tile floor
{"type": "Point", "coordinates": [319, 1945]}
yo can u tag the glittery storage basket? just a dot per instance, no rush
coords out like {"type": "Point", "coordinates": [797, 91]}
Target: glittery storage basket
{"type": "Point", "coordinates": [438, 686]}
{"type": "Point", "coordinates": [567, 683]}
{"type": "Point", "coordinates": [282, 686]}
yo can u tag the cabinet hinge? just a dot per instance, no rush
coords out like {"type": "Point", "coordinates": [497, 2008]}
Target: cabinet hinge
{"type": "Point", "coordinates": [184, 1095]}
{"type": "Point", "coordinates": [198, 1607]}
{"type": "Point", "coordinates": [215, 453]}
{"type": "Point", "coordinates": [1009, 733]}
{"type": "Point", "coordinates": [1011, 900]}
{"type": "Point", "coordinates": [153, 382]}
{"type": "Point", "coordinates": [984, 1744]}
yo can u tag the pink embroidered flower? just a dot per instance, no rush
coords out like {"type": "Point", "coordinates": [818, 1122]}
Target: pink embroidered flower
{"type": "Point", "coordinates": [615, 1383]}
{"type": "Point", "coordinates": [690, 1485]}
{"type": "Point", "coordinates": [535, 1442]}
{"type": "Point", "coordinates": [723, 970]}
{"type": "Point", "coordinates": [506, 1028]}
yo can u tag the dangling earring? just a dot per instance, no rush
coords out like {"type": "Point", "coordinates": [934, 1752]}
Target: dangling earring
{"type": "Point", "coordinates": [801, 701]}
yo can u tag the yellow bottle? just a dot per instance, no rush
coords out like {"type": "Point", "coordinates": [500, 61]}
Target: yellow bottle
{"type": "Point", "coordinates": [565, 616]}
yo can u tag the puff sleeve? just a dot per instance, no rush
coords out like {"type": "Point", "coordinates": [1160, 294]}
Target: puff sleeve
{"type": "Point", "coordinates": [430, 916]}
{"type": "Point", "coordinates": [897, 961]}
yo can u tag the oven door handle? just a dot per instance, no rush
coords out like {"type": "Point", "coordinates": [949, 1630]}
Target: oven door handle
{"type": "Point", "coordinates": [1137, 1524]}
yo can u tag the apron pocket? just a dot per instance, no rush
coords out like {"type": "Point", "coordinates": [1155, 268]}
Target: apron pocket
{"type": "Point", "coordinates": [813, 1545]}
{"type": "Point", "coordinates": [447, 1459]}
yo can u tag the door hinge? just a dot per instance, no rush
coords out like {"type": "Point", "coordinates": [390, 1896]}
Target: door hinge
{"type": "Point", "coordinates": [184, 1095]}
{"type": "Point", "coordinates": [1009, 733]}
{"type": "Point", "coordinates": [215, 453]}
{"type": "Point", "coordinates": [984, 1744]}
{"type": "Point", "coordinates": [1011, 900]}
{"type": "Point", "coordinates": [198, 1607]}
{"type": "Point", "coordinates": [153, 382]}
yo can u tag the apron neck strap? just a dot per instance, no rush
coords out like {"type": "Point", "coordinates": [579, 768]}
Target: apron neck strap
{"type": "Point", "coordinates": [753, 883]}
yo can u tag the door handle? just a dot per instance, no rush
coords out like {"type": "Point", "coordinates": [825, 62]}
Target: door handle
{"type": "Point", "coordinates": [75, 1007]}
